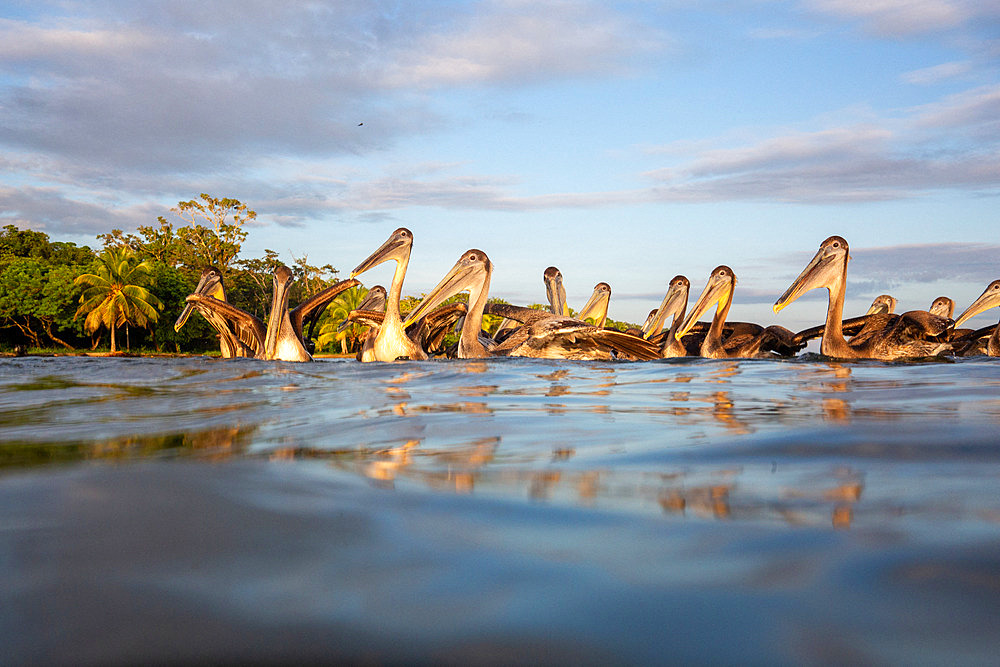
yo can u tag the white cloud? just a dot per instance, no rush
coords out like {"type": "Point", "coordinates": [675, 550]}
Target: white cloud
{"type": "Point", "coordinates": [524, 41]}
{"type": "Point", "coordinates": [937, 73]}
{"type": "Point", "coordinates": [899, 17]}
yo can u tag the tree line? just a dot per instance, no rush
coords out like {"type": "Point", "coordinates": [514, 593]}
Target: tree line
{"type": "Point", "coordinates": [129, 293]}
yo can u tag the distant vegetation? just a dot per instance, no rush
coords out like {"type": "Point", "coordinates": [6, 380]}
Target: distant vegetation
{"type": "Point", "coordinates": [59, 295]}
{"type": "Point", "coordinates": [56, 294]}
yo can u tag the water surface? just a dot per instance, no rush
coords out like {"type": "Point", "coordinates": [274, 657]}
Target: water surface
{"type": "Point", "coordinates": [797, 511]}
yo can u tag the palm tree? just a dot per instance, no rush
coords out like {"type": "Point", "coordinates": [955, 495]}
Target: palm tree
{"type": "Point", "coordinates": [114, 295]}
{"type": "Point", "coordinates": [338, 311]}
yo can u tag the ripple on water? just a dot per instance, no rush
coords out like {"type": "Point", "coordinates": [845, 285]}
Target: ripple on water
{"type": "Point", "coordinates": [797, 509]}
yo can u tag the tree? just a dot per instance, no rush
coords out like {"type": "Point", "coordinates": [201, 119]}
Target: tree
{"type": "Point", "coordinates": [212, 236]}
{"type": "Point", "coordinates": [215, 245]}
{"type": "Point", "coordinates": [114, 295]}
{"type": "Point", "coordinates": [337, 312]}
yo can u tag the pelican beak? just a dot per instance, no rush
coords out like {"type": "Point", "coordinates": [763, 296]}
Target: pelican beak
{"type": "Point", "coordinates": [990, 298]}
{"type": "Point", "coordinates": [718, 290]}
{"type": "Point", "coordinates": [673, 304]}
{"type": "Point", "coordinates": [283, 279]}
{"type": "Point", "coordinates": [821, 271]}
{"type": "Point", "coordinates": [877, 308]}
{"type": "Point", "coordinates": [183, 318]}
{"type": "Point", "coordinates": [395, 247]}
{"type": "Point", "coordinates": [596, 309]}
{"type": "Point", "coordinates": [556, 294]}
{"type": "Point", "coordinates": [462, 276]}
{"type": "Point", "coordinates": [209, 285]}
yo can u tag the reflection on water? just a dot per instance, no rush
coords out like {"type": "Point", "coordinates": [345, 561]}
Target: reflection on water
{"type": "Point", "coordinates": [733, 440]}
{"type": "Point", "coordinates": [753, 456]}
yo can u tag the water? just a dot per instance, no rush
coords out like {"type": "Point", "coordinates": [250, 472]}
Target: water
{"type": "Point", "coordinates": [509, 510]}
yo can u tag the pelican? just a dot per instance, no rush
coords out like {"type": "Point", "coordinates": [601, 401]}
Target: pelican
{"type": "Point", "coordinates": [554, 290]}
{"type": "Point", "coordinates": [973, 343]}
{"type": "Point", "coordinates": [674, 304]}
{"type": "Point", "coordinates": [942, 307]}
{"type": "Point", "coordinates": [281, 338]}
{"type": "Point", "coordinates": [719, 290]}
{"type": "Point", "coordinates": [882, 304]}
{"type": "Point", "coordinates": [428, 332]}
{"type": "Point", "coordinates": [596, 308]}
{"type": "Point", "coordinates": [913, 334]}
{"type": "Point", "coordinates": [543, 335]}
{"type": "Point", "coordinates": [391, 342]}
{"type": "Point", "coordinates": [234, 339]}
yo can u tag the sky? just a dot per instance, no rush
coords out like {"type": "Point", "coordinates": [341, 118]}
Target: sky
{"type": "Point", "coordinates": [624, 142]}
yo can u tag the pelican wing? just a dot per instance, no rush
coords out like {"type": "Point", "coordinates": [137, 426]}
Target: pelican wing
{"type": "Point", "coordinates": [308, 311]}
{"type": "Point", "coordinates": [517, 313]}
{"type": "Point", "coordinates": [248, 329]}
{"type": "Point", "coordinates": [555, 337]}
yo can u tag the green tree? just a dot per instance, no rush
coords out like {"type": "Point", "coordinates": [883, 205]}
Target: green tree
{"type": "Point", "coordinates": [336, 313]}
{"type": "Point", "coordinates": [37, 297]}
{"type": "Point", "coordinates": [212, 236]}
{"type": "Point", "coordinates": [218, 243]}
{"type": "Point", "coordinates": [114, 296]}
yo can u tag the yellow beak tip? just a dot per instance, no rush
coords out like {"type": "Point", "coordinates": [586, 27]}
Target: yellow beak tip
{"type": "Point", "coordinates": [778, 307]}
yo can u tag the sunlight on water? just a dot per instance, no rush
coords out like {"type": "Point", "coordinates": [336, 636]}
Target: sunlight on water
{"type": "Point", "coordinates": [873, 485]}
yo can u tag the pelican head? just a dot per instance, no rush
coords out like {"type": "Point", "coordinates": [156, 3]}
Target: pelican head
{"type": "Point", "coordinates": [673, 305]}
{"type": "Point", "coordinates": [718, 290]}
{"type": "Point", "coordinates": [470, 271]}
{"type": "Point", "coordinates": [883, 303]}
{"type": "Point", "coordinates": [942, 307]}
{"type": "Point", "coordinates": [596, 308]}
{"type": "Point", "coordinates": [210, 284]}
{"type": "Point", "coordinates": [554, 291]}
{"type": "Point", "coordinates": [396, 247]}
{"type": "Point", "coordinates": [988, 299]}
{"type": "Point", "coordinates": [826, 268]}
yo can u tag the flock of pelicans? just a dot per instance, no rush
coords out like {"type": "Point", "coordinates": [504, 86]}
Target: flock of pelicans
{"type": "Point", "coordinates": [526, 332]}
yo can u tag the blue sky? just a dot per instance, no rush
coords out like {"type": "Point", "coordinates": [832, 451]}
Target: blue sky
{"type": "Point", "coordinates": [622, 142]}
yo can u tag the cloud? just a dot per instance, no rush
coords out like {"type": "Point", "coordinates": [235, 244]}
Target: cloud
{"type": "Point", "coordinates": [950, 144]}
{"type": "Point", "coordinates": [901, 17]}
{"type": "Point", "coordinates": [52, 211]}
{"type": "Point", "coordinates": [926, 263]}
{"type": "Point", "coordinates": [520, 41]}
{"type": "Point", "coordinates": [937, 73]}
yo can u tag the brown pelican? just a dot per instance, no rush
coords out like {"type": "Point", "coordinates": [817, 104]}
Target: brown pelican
{"type": "Point", "coordinates": [673, 305]}
{"type": "Point", "coordinates": [391, 341]}
{"type": "Point", "coordinates": [596, 308]}
{"type": "Point", "coordinates": [280, 338]}
{"type": "Point", "coordinates": [913, 334]}
{"type": "Point", "coordinates": [976, 342]}
{"type": "Point", "coordinates": [883, 303]}
{"type": "Point", "coordinates": [429, 331]}
{"type": "Point", "coordinates": [555, 292]}
{"type": "Point", "coordinates": [942, 307]}
{"type": "Point", "coordinates": [719, 290]}
{"type": "Point", "coordinates": [235, 340]}
{"type": "Point", "coordinates": [542, 335]}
